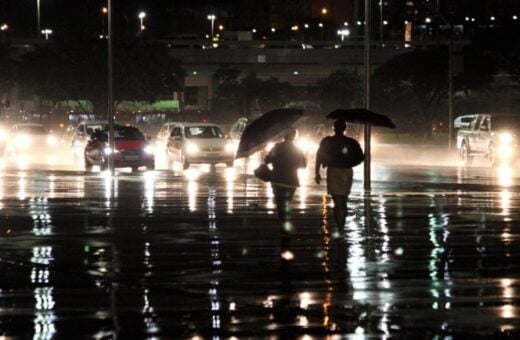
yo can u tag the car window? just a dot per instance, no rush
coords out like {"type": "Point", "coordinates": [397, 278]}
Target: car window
{"type": "Point", "coordinates": [176, 132]}
{"type": "Point", "coordinates": [93, 127]}
{"type": "Point", "coordinates": [128, 134]}
{"type": "Point", "coordinates": [475, 122]}
{"type": "Point", "coordinates": [203, 132]}
{"type": "Point", "coordinates": [484, 125]}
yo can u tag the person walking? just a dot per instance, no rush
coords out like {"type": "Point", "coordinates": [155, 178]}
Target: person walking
{"type": "Point", "coordinates": [286, 159]}
{"type": "Point", "coordinates": [339, 154]}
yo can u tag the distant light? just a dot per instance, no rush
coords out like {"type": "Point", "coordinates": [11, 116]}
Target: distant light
{"type": "Point", "coordinates": [104, 10]}
{"type": "Point", "coordinates": [211, 17]}
{"type": "Point", "coordinates": [515, 17]}
{"type": "Point", "coordinates": [344, 32]}
{"type": "Point", "coordinates": [324, 11]}
{"type": "Point", "coordinates": [467, 18]}
{"type": "Point", "coordinates": [428, 20]}
{"type": "Point", "coordinates": [142, 15]}
{"type": "Point", "coordinates": [492, 18]}
{"type": "Point", "coordinates": [405, 22]}
{"type": "Point", "coordinates": [473, 20]}
{"type": "Point", "coordinates": [194, 73]}
{"type": "Point", "coordinates": [385, 22]}
{"type": "Point", "coordinates": [5, 27]}
{"type": "Point", "coordinates": [320, 24]}
{"type": "Point", "coordinates": [296, 73]}
{"type": "Point", "coordinates": [220, 27]}
{"type": "Point", "coordinates": [359, 23]}
{"type": "Point", "coordinates": [273, 29]}
{"type": "Point", "coordinates": [253, 30]}
{"type": "Point", "coordinates": [345, 23]}
{"type": "Point", "coordinates": [306, 25]}
{"type": "Point", "coordinates": [294, 28]}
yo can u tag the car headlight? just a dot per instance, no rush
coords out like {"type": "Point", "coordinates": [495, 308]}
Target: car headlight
{"type": "Point", "coordinates": [505, 137]}
{"type": "Point", "coordinates": [148, 149]}
{"type": "Point", "coordinates": [52, 140]}
{"type": "Point", "coordinates": [23, 141]}
{"type": "Point", "coordinates": [230, 147]}
{"type": "Point", "coordinates": [192, 148]}
{"type": "Point", "coordinates": [2, 134]}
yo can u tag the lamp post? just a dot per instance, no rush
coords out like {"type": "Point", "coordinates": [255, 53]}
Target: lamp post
{"type": "Point", "coordinates": [110, 92]}
{"type": "Point", "coordinates": [38, 27]}
{"type": "Point", "coordinates": [212, 17]}
{"type": "Point", "coordinates": [141, 17]}
{"type": "Point", "coordinates": [366, 169]}
{"type": "Point", "coordinates": [104, 12]}
{"type": "Point", "coordinates": [46, 32]}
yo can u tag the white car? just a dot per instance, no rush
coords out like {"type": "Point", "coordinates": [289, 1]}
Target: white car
{"type": "Point", "coordinates": [189, 143]}
{"type": "Point", "coordinates": [462, 122]}
{"type": "Point", "coordinates": [82, 134]}
{"type": "Point", "coordinates": [31, 143]}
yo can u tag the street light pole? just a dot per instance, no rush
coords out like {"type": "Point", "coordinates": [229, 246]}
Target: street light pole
{"type": "Point", "coordinates": [366, 163]}
{"type": "Point", "coordinates": [212, 18]}
{"type": "Point", "coordinates": [38, 28]}
{"type": "Point", "coordinates": [141, 17]}
{"type": "Point", "coordinates": [110, 97]}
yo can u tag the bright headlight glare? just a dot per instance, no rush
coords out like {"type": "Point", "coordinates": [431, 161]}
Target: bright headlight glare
{"type": "Point", "coordinates": [192, 148]}
{"type": "Point", "coordinates": [269, 146]}
{"type": "Point", "coordinates": [303, 144]}
{"type": "Point", "coordinates": [52, 140]}
{"type": "Point", "coordinates": [230, 147]}
{"type": "Point", "coordinates": [148, 149]}
{"type": "Point", "coordinates": [505, 137]}
{"type": "Point", "coordinates": [2, 134]}
{"type": "Point", "coordinates": [504, 152]}
{"type": "Point", "coordinates": [23, 141]}
{"type": "Point", "coordinates": [107, 151]}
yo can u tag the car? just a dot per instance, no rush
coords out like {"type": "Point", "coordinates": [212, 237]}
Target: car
{"type": "Point", "coordinates": [30, 143]}
{"type": "Point", "coordinates": [190, 143]}
{"type": "Point", "coordinates": [131, 149]}
{"type": "Point", "coordinates": [462, 122]}
{"type": "Point", "coordinates": [82, 133]}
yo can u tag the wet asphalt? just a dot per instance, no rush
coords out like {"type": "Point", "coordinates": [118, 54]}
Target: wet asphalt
{"type": "Point", "coordinates": [428, 252]}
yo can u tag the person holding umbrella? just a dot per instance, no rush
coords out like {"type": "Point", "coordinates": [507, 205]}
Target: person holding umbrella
{"type": "Point", "coordinates": [338, 154]}
{"type": "Point", "coordinates": [286, 159]}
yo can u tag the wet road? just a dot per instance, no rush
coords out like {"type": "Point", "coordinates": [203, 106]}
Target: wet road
{"type": "Point", "coordinates": [429, 252]}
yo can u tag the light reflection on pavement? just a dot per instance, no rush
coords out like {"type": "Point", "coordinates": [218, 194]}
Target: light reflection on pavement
{"type": "Point", "coordinates": [429, 252]}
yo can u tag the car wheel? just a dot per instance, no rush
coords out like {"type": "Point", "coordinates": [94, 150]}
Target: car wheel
{"type": "Point", "coordinates": [492, 155]}
{"type": "Point", "coordinates": [465, 154]}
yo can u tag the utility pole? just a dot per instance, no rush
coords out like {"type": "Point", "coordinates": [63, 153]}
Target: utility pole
{"type": "Point", "coordinates": [366, 163]}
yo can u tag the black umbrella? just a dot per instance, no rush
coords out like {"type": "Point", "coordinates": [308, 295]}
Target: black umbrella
{"type": "Point", "coordinates": [270, 126]}
{"type": "Point", "coordinates": [362, 116]}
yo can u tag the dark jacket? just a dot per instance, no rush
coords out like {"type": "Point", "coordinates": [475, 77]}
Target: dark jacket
{"type": "Point", "coordinates": [339, 151]}
{"type": "Point", "coordinates": [286, 159]}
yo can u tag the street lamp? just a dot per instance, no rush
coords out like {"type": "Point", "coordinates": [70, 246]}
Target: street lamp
{"type": "Point", "coordinates": [141, 17]}
{"type": "Point", "coordinates": [212, 17]}
{"type": "Point", "coordinates": [46, 32]}
{"type": "Point", "coordinates": [38, 28]}
{"type": "Point", "coordinates": [344, 32]}
{"type": "Point", "coordinates": [104, 12]}
{"type": "Point", "coordinates": [4, 28]}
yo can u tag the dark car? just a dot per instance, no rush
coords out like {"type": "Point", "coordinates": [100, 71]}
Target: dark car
{"type": "Point", "coordinates": [131, 149]}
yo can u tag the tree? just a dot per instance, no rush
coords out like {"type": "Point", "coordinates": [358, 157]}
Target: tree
{"type": "Point", "coordinates": [341, 89]}
{"type": "Point", "coordinates": [78, 71]}
{"type": "Point", "coordinates": [414, 86]}
{"type": "Point", "coordinates": [7, 75]}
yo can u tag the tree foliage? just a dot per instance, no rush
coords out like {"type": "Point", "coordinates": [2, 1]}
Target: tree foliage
{"type": "Point", "coordinates": [341, 89]}
{"type": "Point", "coordinates": [78, 71]}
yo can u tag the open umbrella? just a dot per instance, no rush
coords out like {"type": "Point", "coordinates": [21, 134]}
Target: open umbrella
{"type": "Point", "coordinates": [362, 116]}
{"type": "Point", "coordinates": [269, 126]}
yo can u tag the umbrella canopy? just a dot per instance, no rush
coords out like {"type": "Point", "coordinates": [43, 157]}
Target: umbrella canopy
{"type": "Point", "coordinates": [362, 116]}
{"type": "Point", "coordinates": [269, 126]}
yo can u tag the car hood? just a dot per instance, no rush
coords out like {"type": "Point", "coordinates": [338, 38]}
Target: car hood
{"type": "Point", "coordinates": [209, 142]}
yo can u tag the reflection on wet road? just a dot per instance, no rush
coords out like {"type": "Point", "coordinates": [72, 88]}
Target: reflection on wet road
{"type": "Point", "coordinates": [429, 252]}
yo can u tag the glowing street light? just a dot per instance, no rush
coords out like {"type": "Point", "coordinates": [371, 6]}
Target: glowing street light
{"type": "Point", "coordinates": [38, 27]}
{"type": "Point", "coordinates": [212, 17]}
{"type": "Point", "coordinates": [46, 32]}
{"type": "Point", "coordinates": [104, 13]}
{"type": "Point", "coordinates": [141, 17]}
{"type": "Point", "coordinates": [344, 32]}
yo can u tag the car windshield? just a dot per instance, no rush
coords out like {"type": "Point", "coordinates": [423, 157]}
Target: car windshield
{"type": "Point", "coordinates": [119, 134]}
{"type": "Point", "coordinates": [203, 132]}
{"type": "Point", "coordinates": [506, 122]}
{"type": "Point", "coordinates": [91, 128]}
{"type": "Point", "coordinates": [32, 129]}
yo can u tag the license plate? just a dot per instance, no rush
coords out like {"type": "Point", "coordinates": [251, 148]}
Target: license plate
{"type": "Point", "coordinates": [131, 158]}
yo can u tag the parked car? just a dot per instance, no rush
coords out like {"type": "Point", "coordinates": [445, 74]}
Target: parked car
{"type": "Point", "coordinates": [462, 122]}
{"type": "Point", "coordinates": [190, 143]}
{"type": "Point", "coordinates": [82, 134]}
{"type": "Point", "coordinates": [30, 143]}
{"type": "Point", "coordinates": [493, 136]}
{"type": "Point", "coordinates": [131, 149]}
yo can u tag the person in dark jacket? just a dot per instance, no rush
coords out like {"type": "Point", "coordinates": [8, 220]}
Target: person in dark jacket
{"type": "Point", "coordinates": [339, 154]}
{"type": "Point", "coordinates": [286, 159]}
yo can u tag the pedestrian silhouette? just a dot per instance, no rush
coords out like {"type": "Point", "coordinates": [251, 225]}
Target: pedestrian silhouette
{"type": "Point", "coordinates": [286, 159]}
{"type": "Point", "coordinates": [338, 154]}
